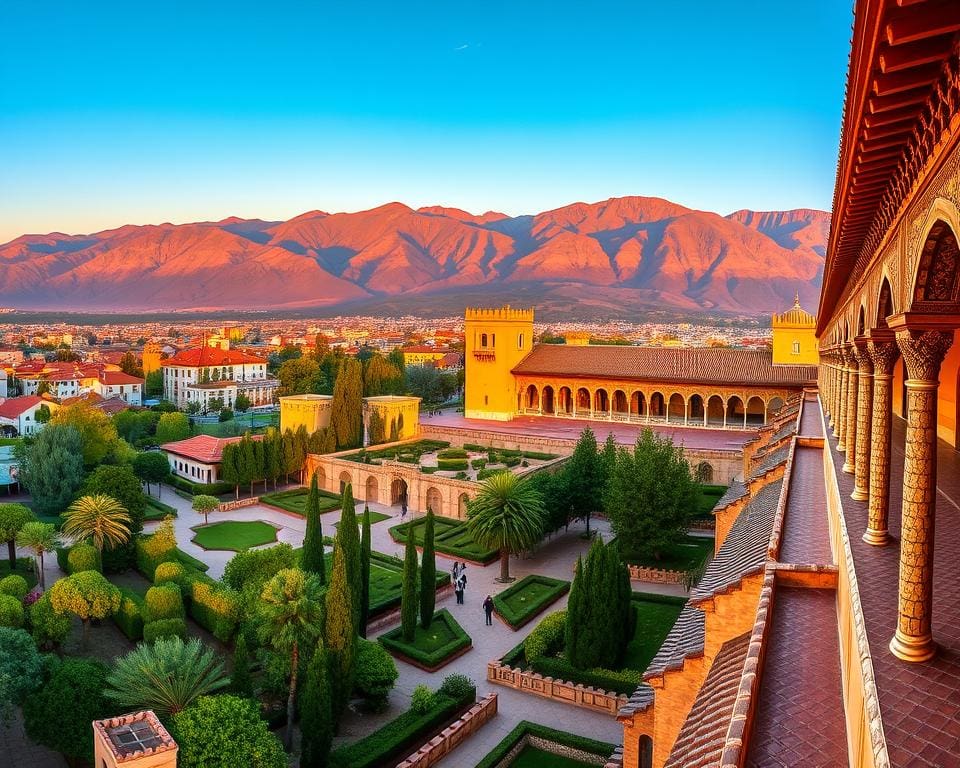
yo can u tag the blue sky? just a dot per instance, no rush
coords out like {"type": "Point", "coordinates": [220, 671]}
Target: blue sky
{"type": "Point", "coordinates": [114, 113]}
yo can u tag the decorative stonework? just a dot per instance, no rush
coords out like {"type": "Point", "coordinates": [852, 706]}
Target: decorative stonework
{"type": "Point", "coordinates": [884, 356]}
{"type": "Point", "coordinates": [451, 737]}
{"type": "Point", "coordinates": [563, 691]}
{"type": "Point", "coordinates": [861, 490]}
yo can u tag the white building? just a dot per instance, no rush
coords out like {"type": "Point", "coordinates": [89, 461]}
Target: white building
{"type": "Point", "coordinates": [18, 415]}
{"type": "Point", "coordinates": [201, 374]}
{"type": "Point", "coordinates": [198, 458]}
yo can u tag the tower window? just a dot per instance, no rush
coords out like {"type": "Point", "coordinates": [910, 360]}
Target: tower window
{"type": "Point", "coordinates": [483, 339]}
{"type": "Point", "coordinates": [796, 347]}
{"type": "Point", "coordinates": [520, 341]}
{"type": "Point", "coordinates": [493, 339]}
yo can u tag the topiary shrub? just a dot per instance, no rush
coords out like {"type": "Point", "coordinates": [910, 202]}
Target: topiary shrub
{"type": "Point", "coordinates": [163, 602]}
{"type": "Point", "coordinates": [255, 567]}
{"type": "Point", "coordinates": [376, 674]}
{"type": "Point", "coordinates": [452, 453]}
{"type": "Point", "coordinates": [158, 547]}
{"type": "Point", "coordinates": [478, 463]}
{"type": "Point", "coordinates": [452, 465]}
{"type": "Point", "coordinates": [459, 688]}
{"type": "Point", "coordinates": [154, 630]}
{"type": "Point", "coordinates": [11, 612]}
{"type": "Point", "coordinates": [83, 557]}
{"type": "Point", "coordinates": [213, 606]}
{"type": "Point", "coordinates": [172, 572]}
{"type": "Point", "coordinates": [421, 700]}
{"type": "Point", "coordinates": [225, 731]}
{"type": "Point", "coordinates": [14, 585]}
{"type": "Point", "coordinates": [547, 638]}
{"type": "Point", "coordinates": [129, 616]}
{"type": "Point", "coordinates": [49, 628]}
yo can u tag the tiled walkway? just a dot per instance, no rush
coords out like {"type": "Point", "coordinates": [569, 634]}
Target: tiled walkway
{"type": "Point", "coordinates": [920, 703]}
{"type": "Point", "coordinates": [799, 719]}
{"type": "Point", "coordinates": [806, 536]}
{"type": "Point", "coordinates": [810, 424]}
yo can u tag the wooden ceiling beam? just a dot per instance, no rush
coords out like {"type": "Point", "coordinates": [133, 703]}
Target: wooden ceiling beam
{"type": "Point", "coordinates": [882, 119]}
{"type": "Point", "coordinates": [895, 101]}
{"type": "Point", "coordinates": [900, 131]}
{"type": "Point", "coordinates": [903, 57]}
{"type": "Point", "coordinates": [907, 80]}
{"type": "Point", "coordinates": [872, 145]}
{"type": "Point", "coordinates": [921, 22]}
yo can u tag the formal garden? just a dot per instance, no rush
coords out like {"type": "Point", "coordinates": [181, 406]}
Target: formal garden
{"type": "Point", "coordinates": [295, 500]}
{"type": "Point", "coordinates": [234, 535]}
{"type": "Point", "coordinates": [452, 538]}
{"type": "Point", "coordinates": [531, 745]}
{"type": "Point", "coordinates": [523, 601]}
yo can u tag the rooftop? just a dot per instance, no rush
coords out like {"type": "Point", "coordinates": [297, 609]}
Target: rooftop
{"type": "Point", "coordinates": [202, 357]}
{"type": "Point", "coordinates": [204, 449]}
{"type": "Point", "coordinates": [12, 407]}
{"type": "Point", "coordinates": [134, 735]}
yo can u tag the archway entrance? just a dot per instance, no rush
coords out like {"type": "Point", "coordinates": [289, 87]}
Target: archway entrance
{"type": "Point", "coordinates": [372, 489]}
{"type": "Point", "coordinates": [547, 400]}
{"type": "Point", "coordinates": [434, 501]}
{"type": "Point", "coordinates": [398, 491]}
{"type": "Point", "coordinates": [344, 480]}
{"type": "Point", "coordinates": [565, 400]}
{"type": "Point", "coordinates": [462, 506]}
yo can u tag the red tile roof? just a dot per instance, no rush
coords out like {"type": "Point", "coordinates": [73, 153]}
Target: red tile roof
{"type": "Point", "coordinates": [118, 377]}
{"type": "Point", "coordinates": [200, 357]}
{"type": "Point", "coordinates": [12, 407]}
{"type": "Point", "coordinates": [205, 449]}
{"type": "Point", "coordinates": [708, 365]}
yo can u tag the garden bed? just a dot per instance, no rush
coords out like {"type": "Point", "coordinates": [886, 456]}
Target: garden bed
{"type": "Point", "coordinates": [531, 745]}
{"type": "Point", "coordinates": [523, 601]}
{"type": "Point", "coordinates": [157, 510]}
{"type": "Point", "coordinates": [431, 648]}
{"type": "Point", "coordinates": [409, 451]}
{"type": "Point", "coordinates": [375, 517]}
{"type": "Point", "coordinates": [707, 499]}
{"type": "Point", "coordinates": [295, 501]}
{"type": "Point", "coordinates": [234, 535]}
{"type": "Point", "coordinates": [450, 538]}
{"type": "Point", "coordinates": [689, 554]}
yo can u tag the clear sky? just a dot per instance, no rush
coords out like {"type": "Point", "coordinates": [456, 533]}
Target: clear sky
{"type": "Point", "coordinates": [145, 112]}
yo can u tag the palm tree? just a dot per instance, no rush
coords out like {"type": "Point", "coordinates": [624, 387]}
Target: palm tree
{"type": "Point", "coordinates": [290, 617]}
{"type": "Point", "coordinates": [99, 517]}
{"type": "Point", "coordinates": [507, 514]}
{"type": "Point", "coordinates": [166, 676]}
{"type": "Point", "coordinates": [41, 538]}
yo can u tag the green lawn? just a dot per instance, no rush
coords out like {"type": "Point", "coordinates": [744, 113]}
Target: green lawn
{"type": "Point", "coordinates": [521, 602]}
{"type": "Point", "coordinates": [375, 517]}
{"type": "Point", "coordinates": [655, 619]}
{"type": "Point", "coordinates": [531, 757]}
{"type": "Point", "coordinates": [432, 647]}
{"type": "Point", "coordinates": [295, 501]}
{"type": "Point", "coordinates": [450, 538]}
{"type": "Point", "coordinates": [687, 555]}
{"type": "Point", "coordinates": [157, 510]}
{"type": "Point", "coordinates": [707, 499]}
{"type": "Point", "coordinates": [233, 535]}
{"type": "Point", "coordinates": [238, 425]}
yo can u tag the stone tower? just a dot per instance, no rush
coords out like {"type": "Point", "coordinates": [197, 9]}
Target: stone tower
{"type": "Point", "coordinates": [795, 337]}
{"type": "Point", "coordinates": [137, 740]}
{"type": "Point", "coordinates": [495, 341]}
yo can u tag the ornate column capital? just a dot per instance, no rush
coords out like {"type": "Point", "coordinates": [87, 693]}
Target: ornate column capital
{"type": "Point", "coordinates": [861, 357]}
{"type": "Point", "coordinates": [923, 352]}
{"type": "Point", "coordinates": [883, 355]}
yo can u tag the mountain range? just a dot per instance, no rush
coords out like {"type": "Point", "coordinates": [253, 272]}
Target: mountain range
{"type": "Point", "coordinates": [613, 257]}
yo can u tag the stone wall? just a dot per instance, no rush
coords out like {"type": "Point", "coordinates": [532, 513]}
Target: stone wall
{"type": "Point", "coordinates": [563, 691]}
{"type": "Point", "coordinates": [450, 737]}
{"type": "Point", "coordinates": [655, 575]}
{"type": "Point", "coordinates": [226, 506]}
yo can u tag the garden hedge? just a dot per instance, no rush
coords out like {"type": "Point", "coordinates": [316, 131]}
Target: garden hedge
{"type": "Point", "coordinates": [393, 641]}
{"type": "Point", "coordinates": [155, 630]}
{"type": "Point", "coordinates": [527, 728]}
{"type": "Point", "coordinates": [452, 453]}
{"type": "Point", "coordinates": [200, 489]}
{"type": "Point", "coordinates": [452, 465]}
{"type": "Point", "coordinates": [11, 612]}
{"type": "Point", "coordinates": [83, 557]}
{"type": "Point", "coordinates": [170, 571]}
{"type": "Point", "coordinates": [14, 585]}
{"type": "Point", "coordinates": [516, 618]}
{"type": "Point", "coordinates": [621, 681]}
{"type": "Point", "coordinates": [163, 602]}
{"type": "Point", "coordinates": [129, 616]}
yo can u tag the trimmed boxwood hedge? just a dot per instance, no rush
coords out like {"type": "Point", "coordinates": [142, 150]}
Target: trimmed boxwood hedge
{"type": "Point", "coordinates": [393, 641]}
{"type": "Point", "coordinates": [451, 539]}
{"type": "Point", "coordinates": [527, 728]}
{"type": "Point", "coordinates": [129, 616]}
{"type": "Point", "coordinates": [452, 465]}
{"type": "Point", "coordinates": [198, 489]}
{"type": "Point", "coordinates": [452, 453]}
{"type": "Point", "coordinates": [516, 616]}
{"type": "Point", "coordinates": [154, 630]}
{"type": "Point", "coordinates": [622, 681]}
{"type": "Point", "coordinates": [163, 602]}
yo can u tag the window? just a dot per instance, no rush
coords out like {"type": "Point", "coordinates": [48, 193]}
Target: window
{"type": "Point", "coordinates": [486, 400]}
{"type": "Point", "coordinates": [520, 341]}
{"type": "Point", "coordinates": [796, 347]}
{"type": "Point", "coordinates": [493, 340]}
{"type": "Point", "coordinates": [483, 339]}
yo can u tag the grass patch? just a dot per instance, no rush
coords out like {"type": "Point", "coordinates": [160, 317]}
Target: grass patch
{"type": "Point", "coordinates": [375, 517]}
{"type": "Point", "coordinates": [537, 758]}
{"type": "Point", "coordinates": [707, 499]}
{"type": "Point", "coordinates": [688, 554]}
{"type": "Point", "coordinates": [450, 538]}
{"type": "Point", "coordinates": [524, 600]}
{"type": "Point", "coordinates": [655, 618]}
{"type": "Point", "coordinates": [157, 510]}
{"type": "Point", "coordinates": [431, 647]}
{"type": "Point", "coordinates": [295, 501]}
{"type": "Point", "coordinates": [234, 535]}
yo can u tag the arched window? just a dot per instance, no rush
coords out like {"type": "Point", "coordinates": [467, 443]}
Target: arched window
{"type": "Point", "coordinates": [520, 341]}
{"type": "Point", "coordinates": [483, 339]}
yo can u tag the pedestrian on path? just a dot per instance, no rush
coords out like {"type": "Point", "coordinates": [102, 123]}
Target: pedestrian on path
{"type": "Point", "coordinates": [456, 571]}
{"type": "Point", "coordinates": [488, 609]}
{"type": "Point", "coordinates": [403, 510]}
{"type": "Point", "coordinates": [458, 588]}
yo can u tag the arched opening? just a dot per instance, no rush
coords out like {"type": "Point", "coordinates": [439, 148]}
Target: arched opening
{"type": "Point", "coordinates": [532, 398]}
{"type": "Point", "coordinates": [601, 401]}
{"type": "Point", "coordinates": [345, 479]}
{"type": "Point", "coordinates": [398, 491]}
{"type": "Point", "coordinates": [372, 489]}
{"type": "Point", "coordinates": [434, 500]}
{"type": "Point", "coordinates": [884, 304]}
{"type": "Point", "coordinates": [462, 506]}
{"type": "Point", "coordinates": [620, 405]}
{"type": "Point", "coordinates": [775, 405]}
{"type": "Point", "coordinates": [756, 412]}
{"type": "Point", "coordinates": [937, 272]}
{"type": "Point", "coordinates": [695, 410]}
{"type": "Point", "coordinates": [638, 404]}
{"type": "Point", "coordinates": [583, 400]}
{"type": "Point", "coordinates": [715, 411]}
{"type": "Point", "coordinates": [677, 408]}
{"type": "Point", "coordinates": [735, 412]}
{"type": "Point", "coordinates": [645, 752]}
{"type": "Point", "coordinates": [321, 478]}
{"type": "Point", "coordinates": [658, 408]}
{"type": "Point", "coordinates": [483, 339]}
{"type": "Point", "coordinates": [547, 400]}
{"type": "Point", "coordinates": [704, 473]}
{"type": "Point", "coordinates": [899, 389]}
{"type": "Point", "coordinates": [564, 400]}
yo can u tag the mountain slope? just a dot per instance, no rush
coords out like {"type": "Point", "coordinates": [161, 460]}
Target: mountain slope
{"type": "Point", "coordinates": [641, 251]}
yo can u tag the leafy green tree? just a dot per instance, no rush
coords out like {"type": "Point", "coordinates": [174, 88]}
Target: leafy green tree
{"type": "Point", "coordinates": [576, 617]}
{"type": "Point", "coordinates": [49, 628]}
{"type": "Point", "coordinates": [346, 409]}
{"type": "Point", "coordinates": [229, 466]}
{"type": "Point", "coordinates": [583, 473]}
{"type": "Point", "coordinates": [376, 675]}
{"type": "Point", "coordinates": [552, 487]}
{"type": "Point", "coordinates": [42, 415]}
{"type": "Point", "coordinates": [205, 505]}
{"type": "Point", "coordinates": [381, 377]}
{"type": "Point", "coordinates": [316, 713]}
{"type": "Point", "coordinates": [365, 546]}
{"type": "Point", "coordinates": [302, 441]}
{"type": "Point", "coordinates": [152, 467]}
{"type": "Point", "coordinates": [13, 517]}
{"type": "Point", "coordinates": [423, 381]}
{"type": "Point", "coordinates": [87, 595]}
{"type": "Point", "coordinates": [507, 514]}
{"type": "Point", "coordinates": [224, 732]}
{"type": "Point", "coordinates": [172, 427]}
{"type": "Point", "coordinates": [312, 555]}
{"type": "Point", "coordinates": [100, 518]}
{"type": "Point", "coordinates": [21, 668]}
{"type": "Point", "coordinates": [59, 714]}
{"type": "Point", "coordinates": [130, 365]}
{"type": "Point", "coordinates": [340, 633]}
{"type": "Point", "coordinates": [375, 430]}
{"type": "Point", "coordinates": [395, 358]}
{"type": "Point", "coordinates": [651, 496]}
{"type": "Point", "coordinates": [241, 403]}
{"type": "Point", "coordinates": [51, 467]}
{"type": "Point", "coordinates": [39, 538]}
{"type": "Point", "coordinates": [241, 683]}
{"type": "Point", "coordinates": [166, 676]}
{"type": "Point", "coordinates": [153, 385]}
{"type": "Point", "coordinates": [428, 573]}
{"type": "Point", "coordinates": [247, 462]}
{"type": "Point", "coordinates": [299, 376]}
{"type": "Point", "coordinates": [272, 456]}
{"type": "Point", "coordinates": [408, 594]}
{"type": "Point", "coordinates": [290, 619]}
{"type": "Point", "coordinates": [11, 611]}
{"type": "Point", "coordinates": [121, 484]}
{"type": "Point", "coordinates": [348, 537]}
{"type": "Point", "coordinates": [98, 436]}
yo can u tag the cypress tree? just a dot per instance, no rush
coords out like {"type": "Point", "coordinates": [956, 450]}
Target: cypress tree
{"type": "Point", "coordinates": [312, 556]}
{"type": "Point", "coordinates": [340, 632]}
{"type": "Point", "coordinates": [316, 713]}
{"type": "Point", "coordinates": [408, 596]}
{"type": "Point", "coordinates": [302, 448]}
{"type": "Point", "coordinates": [348, 535]}
{"type": "Point", "coordinates": [428, 573]}
{"type": "Point", "coordinates": [627, 619]}
{"type": "Point", "coordinates": [259, 461]}
{"type": "Point", "coordinates": [365, 572]}
{"type": "Point", "coordinates": [240, 681]}
{"type": "Point", "coordinates": [228, 467]}
{"type": "Point", "coordinates": [574, 624]}
{"type": "Point", "coordinates": [399, 426]}
{"type": "Point", "coordinates": [248, 462]}
{"type": "Point", "coordinates": [346, 409]}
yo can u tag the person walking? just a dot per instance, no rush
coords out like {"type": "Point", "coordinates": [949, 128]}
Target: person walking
{"type": "Point", "coordinates": [458, 586]}
{"type": "Point", "coordinates": [488, 609]}
{"type": "Point", "coordinates": [403, 510]}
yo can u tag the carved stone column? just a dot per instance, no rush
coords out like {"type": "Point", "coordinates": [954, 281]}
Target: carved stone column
{"type": "Point", "coordinates": [861, 461]}
{"type": "Point", "coordinates": [850, 412]}
{"type": "Point", "coordinates": [884, 356]}
{"type": "Point", "coordinates": [923, 352]}
{"type": "Point", "coordinates": [838, 427]}
{"type": "Point", "coordinates": [831, 388]}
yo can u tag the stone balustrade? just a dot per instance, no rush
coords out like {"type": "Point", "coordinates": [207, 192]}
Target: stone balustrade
{"type": "Point", "coordinates": [563, 691]}
{"type": "Point", "coordinates": [450, 737]}
{"type": "Point", "coordinates": [226, 506]}
{"type": "Point", "coordinates": [655, 575]}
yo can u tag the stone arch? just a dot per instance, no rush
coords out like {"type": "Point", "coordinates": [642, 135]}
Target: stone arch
{"type": "Point", "coordinates": [715, 410]}
{"type": "Point", "coordinates": [885, 306]}
{"type": "Point", "coordinates": [774, 405]}
{"type": "Point", "coordinates": [583, 399]}
{"type": "Point", "coordinates": [676, 407]}
{"type": "Point", "coordinates": [344, 480]}
{"type": "Point", "coordinates": [372, 489]}
{"type": "Point", "coordinates": [462, 501]}
{"type": "Point", "coordinates": [321, 478]}
{"type": "Point", "coordinates": [531, 397]}
{"type": "Point", "coordinates": [564, 400]}
{"type": "Point", "coordinates": [735, 411]}
{"type": "Point", "coordinates": [620, 404]}
{"type": "Point", "coordinates": [695, 408]}
{"type": "Point", "coordinates": [547, 400]}
{"type": "Point", "coordinates": [434, 500]}
{"type": "Point", "coordinates": [756, 411]}
{"type": "Point", "coordinates": [704, 473]}
{"type": "Point", "coordinates": [658, 405]}
{"type": "Point", "coordinates": [638, 403]}
{"type": "Point", "coordinates": [601, 401]}
{"type": "Point", "coordinates": [398, 491]}
{"type": "Point", "coordinates": [935, 275]}
{"type": "Point", "coordinates": [862, 320]}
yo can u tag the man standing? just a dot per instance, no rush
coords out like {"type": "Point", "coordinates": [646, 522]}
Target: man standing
{"type": "Point", "coordinates": [488, 609]}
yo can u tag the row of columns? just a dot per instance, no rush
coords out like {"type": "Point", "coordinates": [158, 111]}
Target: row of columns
{"type": "Point", "coordinates": [857, 381]}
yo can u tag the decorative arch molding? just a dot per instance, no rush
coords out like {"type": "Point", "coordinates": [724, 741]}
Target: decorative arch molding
{"type": "Point", "coordinates": [935, 261]}
{"type": "Point", "coordinates": [940, 209]}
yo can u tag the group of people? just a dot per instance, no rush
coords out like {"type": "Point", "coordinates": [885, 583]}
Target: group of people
{"type": "Point", "coordinates": [460, 586]}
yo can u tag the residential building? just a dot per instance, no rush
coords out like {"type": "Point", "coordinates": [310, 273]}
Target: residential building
{"type": "Point", "coordinates": [18, 415]}
{"type": "Point", "coordinates": [198, 458]}
{"type": "Point", "coordinates": [205, 373]}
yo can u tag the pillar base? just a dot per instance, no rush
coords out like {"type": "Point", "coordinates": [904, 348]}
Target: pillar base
{"type": "Point", "coordinates": [847, 468]}
{"type": "Point", "coordinates": [876, 538]}
{"type": "Point", "coordinates": [859, 495]}
{"type": "Point", "coordinates": [913, 649]}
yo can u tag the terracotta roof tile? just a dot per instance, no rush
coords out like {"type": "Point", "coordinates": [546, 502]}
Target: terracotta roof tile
{"type": "Point", "coordinates": [119, 377]}
{"type": "Point", "coordinates": [198, 357]}
{"type": "Point", "coordinates": [770, 460]}
{"type": "Point", "coordinates": [639, 701]}
{"type": "Point", "coordinates": [692, 365]}
{"type": "Point", "coordinates": [736, 491]}
{"type": "Point", "coordinates": [684, 640]}
{"type": "Point", "coordinates": [14, 406]}
{"type": "Point", "coordinates": [205, 449]}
